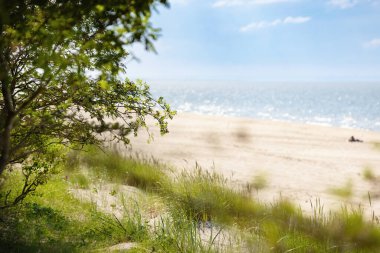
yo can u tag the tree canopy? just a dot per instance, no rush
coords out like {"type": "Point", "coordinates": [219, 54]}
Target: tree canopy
{"type": "Point", "coordinates": [62, 76]}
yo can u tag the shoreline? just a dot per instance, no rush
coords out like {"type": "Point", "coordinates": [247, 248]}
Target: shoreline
{"type": "Point", "coordinates": [304, 163]}
{"type": "Point", "coordinates": [309, 123]}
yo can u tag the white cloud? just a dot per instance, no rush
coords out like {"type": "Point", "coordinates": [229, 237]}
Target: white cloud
{"type": "Point", "coordinates": [276, 22]}
{"type": "Point", "coordinates": [343, 4]}
{"type": "Point", "coordinates": [296, 20]}
{"type": "Point", "coordinates": [260, 25]}
{"type": "Point", "coordinates": [228, 3]}
{"type": "Point", "coordinates": [373, 43]}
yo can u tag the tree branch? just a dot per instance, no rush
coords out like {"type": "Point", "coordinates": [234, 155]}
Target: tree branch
{"type": "Point", "coordinates": [30, 99]}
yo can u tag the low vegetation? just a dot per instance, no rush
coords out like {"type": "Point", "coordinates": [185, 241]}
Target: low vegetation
{"type": "Point", "coordinates": [344, 192]}
{"type": "Point", "coordinates": [54, 221]}
{"type": "Point", "coordinates": [191, 211]}
{"type": "Point", "coordinates": [142, 173]}
{"type": "Point", "coordinates": [368, 174]}
{"type": "Point", "coordinates": [259, 182]}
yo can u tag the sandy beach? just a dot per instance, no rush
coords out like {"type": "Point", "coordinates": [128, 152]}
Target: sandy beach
{"type": "Point", "coordinates": [304, 163]}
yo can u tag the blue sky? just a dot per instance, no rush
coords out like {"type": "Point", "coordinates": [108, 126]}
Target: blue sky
{"type": "Point", "coordinates": [264, 40]}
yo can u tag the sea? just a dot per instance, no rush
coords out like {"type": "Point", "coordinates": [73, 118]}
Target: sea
{"type": "Point", "coordinates": [347, 105]}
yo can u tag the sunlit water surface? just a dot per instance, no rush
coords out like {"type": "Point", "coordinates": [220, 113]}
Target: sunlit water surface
{"type": "Point", "coordinates": [349, 105]}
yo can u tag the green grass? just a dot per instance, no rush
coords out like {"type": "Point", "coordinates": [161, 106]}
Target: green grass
{"type": "Point", "coordinates": [177, 233]}
{"type": "Point", "coordinates": [206, 196]}
{"type": "Point", "coordinates": [80, 180]}
{"type": "Point", "coordinates": [196, 208]}
{"type": "Point", "coordinates": [344, 192]}
{"type": "Point", "coordinates": [259, 182]}
{"type": "Point", "coordinates": [368, 174]}
{"type": "Point", "coordinates": [112, 166]}
{"type": "Point", "coordinates": [54, 221]}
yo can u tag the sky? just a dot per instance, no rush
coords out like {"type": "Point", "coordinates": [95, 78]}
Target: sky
{"type": "Point", "coordinates": [264, 40]}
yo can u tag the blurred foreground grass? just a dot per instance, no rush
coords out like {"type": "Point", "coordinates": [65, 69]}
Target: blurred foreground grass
{"type": "Point", "coordinates": [191, 211]}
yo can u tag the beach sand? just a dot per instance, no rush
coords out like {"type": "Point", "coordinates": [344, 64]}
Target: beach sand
{"type": "Point", "coordinates": [303, 163]}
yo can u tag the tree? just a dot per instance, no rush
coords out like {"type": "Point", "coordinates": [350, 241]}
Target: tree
{"type": "Point", "coordinates": [61, 68]}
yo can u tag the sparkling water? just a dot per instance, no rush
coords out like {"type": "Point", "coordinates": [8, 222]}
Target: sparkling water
{"type": "Point", "coordinates": [349, 105]}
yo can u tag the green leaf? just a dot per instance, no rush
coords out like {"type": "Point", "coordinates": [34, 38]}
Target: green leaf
{"type": "Point", "coordinates": [99, 7]}
{"type": "Point", "coordinates": [104, 84]}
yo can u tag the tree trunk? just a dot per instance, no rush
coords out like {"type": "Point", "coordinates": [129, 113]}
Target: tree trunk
{"type": "Point", "coordinates": [8, 109]}
{"type": "Point", "coordinates": [6, 142]}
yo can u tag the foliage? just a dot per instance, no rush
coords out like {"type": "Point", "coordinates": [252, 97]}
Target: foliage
{"type": "Point", "coordinates": [62, 75]}
{"type": "Point", "coordinates": [30, 176]}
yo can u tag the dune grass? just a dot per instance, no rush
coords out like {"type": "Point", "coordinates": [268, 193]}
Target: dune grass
{"type": "Point", "coordinates": [199, 207]}
{"type": "Point", "coordinates": [142, 173]}
{"type": "Point", "coordinates": [345, 191]}
{"type": "Point", "coordinates": [257, 183]}
{"type": "Point", "coordinates": [206, 196]}
{"type": "Point", "coordinates": [376, 145]}
{"type": "Point", "coordinates": [80, 180]}
{"type": "Point", "coordinates": [368, 174]}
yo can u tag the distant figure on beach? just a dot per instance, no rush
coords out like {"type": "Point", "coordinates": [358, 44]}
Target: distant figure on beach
{"type": "Point", "coordinates": [352, 139]}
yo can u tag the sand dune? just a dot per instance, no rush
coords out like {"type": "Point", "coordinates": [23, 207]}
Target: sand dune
{"type": "Point", "coordinates": [301, 162]}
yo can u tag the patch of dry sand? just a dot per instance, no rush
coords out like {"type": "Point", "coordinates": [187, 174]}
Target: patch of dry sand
{"type": "Point", "coordinates": [301, 162]}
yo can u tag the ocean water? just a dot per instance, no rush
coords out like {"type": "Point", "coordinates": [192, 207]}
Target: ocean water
{"type": "Point", "coordinates": [348, 105]}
